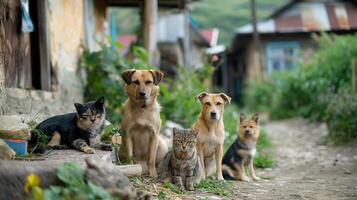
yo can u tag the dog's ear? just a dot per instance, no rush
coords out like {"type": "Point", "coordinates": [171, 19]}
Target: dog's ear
{"type": "Point", "coordinates": [200, 96]}
{"type": "Point", "coordinates": [127, 74]}
{"type": "Point", "coordinates": [157, 75]}
{"type": "Point", "coordinates": [225, 97]}
{"type": "Point", "coordinates": [242, 117]}
{"type": "Point", "coordinates": [255, 117]}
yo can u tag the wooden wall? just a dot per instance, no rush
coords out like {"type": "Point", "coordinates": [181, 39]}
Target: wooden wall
{"type": "Point", "coordinates": [15, 51]}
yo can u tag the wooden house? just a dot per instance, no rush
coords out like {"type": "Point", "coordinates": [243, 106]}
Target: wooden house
{"type": "Point", "coordinates": [39, 70]}
{"type": "Point", "coordinates": [285, 39]}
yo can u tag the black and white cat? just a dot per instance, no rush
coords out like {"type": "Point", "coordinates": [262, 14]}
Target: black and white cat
{"type": "Point", "coordinates": [73, 130]}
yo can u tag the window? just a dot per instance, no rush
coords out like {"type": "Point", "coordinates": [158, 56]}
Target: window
{"type": "Point", "coordinates": [281, 56]}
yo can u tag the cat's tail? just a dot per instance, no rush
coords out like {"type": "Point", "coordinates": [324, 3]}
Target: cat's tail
{"type": "Point", "coordinates": [164, 168]}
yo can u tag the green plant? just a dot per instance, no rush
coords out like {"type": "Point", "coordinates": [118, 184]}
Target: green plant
{"type": "Point", "coordinates": [177, 96]}
{"type": "Point", "coordinates": [315, 86]}
{"type": "Point", "coordinates": [161, 195]}
{"type": "Point", "coordinates": [75, 187]}
{"type": "Point", "coordinates": [264, 161]}
{"type": "Point", "coordinates": [41, 139]}
{"type": "Point", "coordinates": [216, 187]}
{"type": "Point", "coordinates": [264, 157]}
{"type": "Point", "coordinates": [341, 115]}
{"type": "Point", "coordinates": [172, 187]}
{"type": "Point", "coordinates": [104, 69]}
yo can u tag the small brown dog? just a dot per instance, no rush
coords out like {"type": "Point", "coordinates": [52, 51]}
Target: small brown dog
{"type": "Point", "coordinates": [241, 153]}
{"type": "Point", "coordinates": [141, 120]}
{"type": "Point", "coordinates": [211, 131]}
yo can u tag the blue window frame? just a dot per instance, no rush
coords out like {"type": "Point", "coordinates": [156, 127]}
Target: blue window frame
{"type": "Point", "coordinates": [281, 56]}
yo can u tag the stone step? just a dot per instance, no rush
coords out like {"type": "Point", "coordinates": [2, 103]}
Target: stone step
{"type": "Point", "coordinates": [12, 127]}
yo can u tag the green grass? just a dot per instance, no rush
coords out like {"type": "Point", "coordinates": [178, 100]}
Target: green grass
{"type": "Point", "coordinates": [172, 187]}
{"type": "Point", "coordinates": [264, 161]}
{"type": "Point", "coordinates": [216, 187]}
{"type": "Point", "coordinates": [264, 158]}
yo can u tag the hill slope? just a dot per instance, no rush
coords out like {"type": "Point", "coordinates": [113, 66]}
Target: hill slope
{"type": "Point", "coordinates": [227, 15]}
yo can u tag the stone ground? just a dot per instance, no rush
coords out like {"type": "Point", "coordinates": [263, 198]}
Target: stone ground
{"type": "Point", "coordinates": [305, 169]}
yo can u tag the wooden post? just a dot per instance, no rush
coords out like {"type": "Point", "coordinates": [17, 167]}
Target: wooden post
{"type": "Point", "coordinates": [186, 39]}
{"type": "Point", "coordinates": [150, 21]}
{"type": "Point", "coordinates": [257, 58]}
{"type": "Point", "coordinates": [353, 78]}
{"type": "Point", "coordinates": [44, 45]}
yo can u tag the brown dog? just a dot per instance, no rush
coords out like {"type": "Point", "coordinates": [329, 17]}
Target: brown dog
{"type": "Point", "coordinates": [241, 153]}
{"type": "Point", "coordinates": [141, 120]}
{"type": "Point", "coordinates": [211, 131]}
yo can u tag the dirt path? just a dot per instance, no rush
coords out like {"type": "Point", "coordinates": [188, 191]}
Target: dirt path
{"type": "Point", "coordinates": [306, 169]}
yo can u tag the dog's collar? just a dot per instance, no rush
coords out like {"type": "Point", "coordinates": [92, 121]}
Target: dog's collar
{"type": "Point", "coordinates": [243, 145]}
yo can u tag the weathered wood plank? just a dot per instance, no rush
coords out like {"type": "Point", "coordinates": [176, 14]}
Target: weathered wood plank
{"type": "Point", "coordinates": [44, 45]}
{"type": "Point", "coordinates": [14, 53]}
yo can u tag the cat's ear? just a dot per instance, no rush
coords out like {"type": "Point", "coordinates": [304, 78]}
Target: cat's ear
{"type": "Point", "coordinates": [78, 106]}
{"type": "Point", "coordinates": [100, 102]}
{"type": "Point", "coordinates": [195, 132]}
{"type": "Point", "coordinates": [175, 132]}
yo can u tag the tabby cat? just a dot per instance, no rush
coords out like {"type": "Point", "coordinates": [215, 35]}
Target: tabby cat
{"type": "Point", "coordinates": [181, 165]}
{"type": "Point", "coordinates": [74, 130]}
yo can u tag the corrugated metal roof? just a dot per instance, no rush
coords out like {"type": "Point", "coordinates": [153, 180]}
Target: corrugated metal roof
{"type": "Point", "coordinates": [308, 16]}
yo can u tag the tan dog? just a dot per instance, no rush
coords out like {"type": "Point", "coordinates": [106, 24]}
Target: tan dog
{"type": "Point", "coordinates": [141, 120]}
{"type": "Point", "coordinates": [211, 131]}
{"type": "Point", "coordinates": [241, 153]}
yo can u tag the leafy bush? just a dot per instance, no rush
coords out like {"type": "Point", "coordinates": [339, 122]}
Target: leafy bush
{"type": "Point", "coordinates": [75, 187]}
{"type": "Point", "coordinates": [177, 95]}
{"type": "Point", "coordinates": [104, 69]}
{"type": "Point", "coordinates": [341, 115]}
{"type": "Point", "coordinates": [311, 89]}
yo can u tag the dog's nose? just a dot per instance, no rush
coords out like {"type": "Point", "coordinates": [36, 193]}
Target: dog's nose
{"type": "Point", "coordinates": [247, 132]}
{"type": "Point", "coordinates": [213, 114]}
{"type": "Point", "coordinates": [142, 93]}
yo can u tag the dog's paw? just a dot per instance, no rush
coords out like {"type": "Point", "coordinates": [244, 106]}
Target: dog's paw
{"type": "Point", "coordinates": [190, 187]}
{"type": "Point", "coordinates": [256, 178]}
{"type": "Point", "coordinates": [246, 179]}
{"type": "Point", "coordinates": [152, 173]}
{"type": "Point", "coordinates": [220, 178]}
{"type": "Point", "coordinates": [89, 150]}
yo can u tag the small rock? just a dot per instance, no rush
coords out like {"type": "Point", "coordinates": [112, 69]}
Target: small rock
{"type": "Point", "coordinates": [348, 172]}
{"type": "Point", "coordinates": [13, 127]}
{"type": "Point", "coordinates": [5, 151]}
{"type": "Point", "coordinates": [167, 131]}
